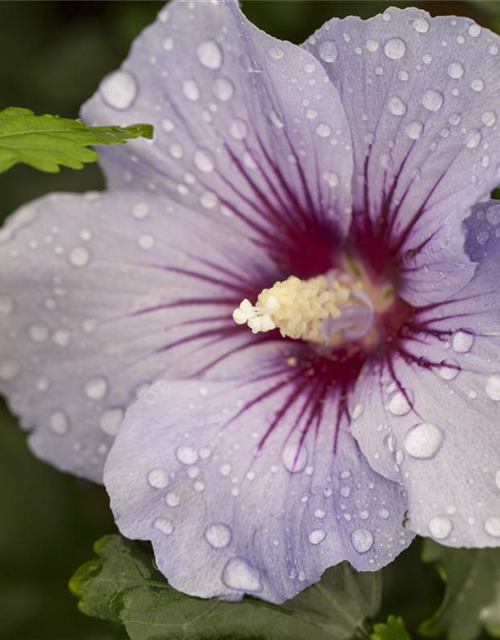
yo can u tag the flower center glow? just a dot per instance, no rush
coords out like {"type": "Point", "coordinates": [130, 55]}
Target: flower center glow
{"type": "Point", "coordinates": [327, 309]}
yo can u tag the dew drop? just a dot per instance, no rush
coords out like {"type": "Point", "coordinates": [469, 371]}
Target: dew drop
{"type": "Point", "coordinates": [59, 423]}
{"type": "Point", "coordinates": [449, 369]}
{"type": "Point", "coordinates": [158, 478]}
{"type": "Point", "coordinates": [209, 54]}
{"type": "Point", "coordinates": [400, 403]}
{"type": "Point", "coordinates": [240, 575]}
{"type": "Point", "coordinates": [462, 341]}
{"type": "Point", "coordinates": [317, 536]}
{"type": "Point", "coordinates": [456, 70]}
{"type": "Point", "coordinates": [111, 420]}
{"type": "Point", "coordinates": [440, 527]}
{"type": "Point", "coordinates": [9, 369]}
{"type": "Point", "coordinates": [276, 53]}
{"type": "Point", "coordinates": [141, 210]}
{"type": "Point", "coordinates": [204, 161]}
{"type": "Point", "coordinates": [395, 48]}
{"type": "Point", "coordinates": [294, 459]}
{"type": "Point", "coordinates": [191, 90]}
{"type": "Point", "coordinates": [96, 388]}
{"type": "Point", "coordinates": [362, 540]}
{"type": "Point", "coordinates": [38, 332]}
{"type": "Point", "coordinates": [218, 535]}
{"type": "Point", "coordinates": [6, 305]}
{"type": "Point", "coordinates": [238, 129]}
{"type": "Point", "coordinates": [172, 499]}
{"type": "Point", "coordinates": [119, 90]}
{"type": "Point", "coordinates": [79, 256]}
{"type": "Point", "coordinates": [372, 45]}
{"type": "Point", "coordinates": [421, 25]}
{"type": "Point", "coordinates": [477, 84]}
{"type": "Point", "coordinates": [423, 440]}
{"type": "Point", "coordinates": [320, 513]}
{"type": "Point", "coordinates": [186, 455]}
{"type": "Point", "coordinates": [489, 118]}
{"type": "Point", "coordinates": [165, 526]}
{"type": "Point", "coordinates": [223, 89]}
{"type": "Point", "coordinates": [474, 30]}
{"type": "Point", "coordinates": [323, 130]}
{"type": "Point", "coordinates": [432, 100]}
{"type": "Point", "coordinates": [328, 51]}
{"type": "Point", "coordinates": [492, 527]}
{"type": "Point", "coordinates": [493, 388]}
{"type": "Point", "coordinates": [414, 130]}
{"type": "Point", "coordinates": [396, 106]}
{"type": "Point", "coordinates": [384, 513]}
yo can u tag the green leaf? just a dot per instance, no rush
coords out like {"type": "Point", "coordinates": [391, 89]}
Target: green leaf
{"type": "Point", "coordinates": [122, 585]}
{"type": "Point", "coordinates": [394, 629]}
{"type": "Point", "coordinates": [48, 142]}
{"type": "Point", "coordinates": [472, 596]}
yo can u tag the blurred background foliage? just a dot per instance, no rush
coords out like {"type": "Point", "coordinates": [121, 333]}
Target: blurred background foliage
{"type": "Point", "coordinates": [53, 55]}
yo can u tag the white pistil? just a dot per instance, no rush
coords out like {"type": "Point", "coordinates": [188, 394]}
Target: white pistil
{"type": "Point", "coordinates": [300, 308]}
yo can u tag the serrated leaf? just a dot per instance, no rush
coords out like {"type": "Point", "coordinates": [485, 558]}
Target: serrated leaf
{"type": "Point", "coordinates": [122, 585]}
{"type": "Point", "coordinates": [48, 142]}
{"type": "Point", "coordinates": [393, 629]}
{"type": "Point", "coordinates": [472, 597]}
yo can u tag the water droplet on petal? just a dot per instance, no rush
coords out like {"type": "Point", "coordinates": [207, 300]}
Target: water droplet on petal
{"type": "Point", "coordinates": [158, 478]}
{"type": "Point", "coordinates": [362, 540]}
{"type": "Point", "coordinates": [400, 403]}
{"type": "Point", "coordinates": [59, 423]}
{"type": "Point", "coordinates": [163, 525]}
{"type": "Point", "coordinates": [432, 100]}
{"type": "Point", "coordinates": [240, 575]}
{"type": "Point", "coordinates": [395, 48]}
{"type": "Point", "coordinates": [492, 527]}
{"type": "Point", "coordinates": [462, 341]}
{"type": "Point", "coordinates": [323, 130]}
{"type": "Point", "coordinates": [294, 457]}
{"type": "Point", "coordinates": [440, 527]}
{"type": "Point", "coordinates": [9, 369]}
{"type": "Point", "coordinates": [423, 440]}
{"type": "Point", "coordinates": [218, 535]}
{"type": "Point", "coordinates": [204, 161]}
{"type": "Point", "coordinates": [172, 499]}
{"type": "Point", "coordinates": [79, 256]}
{"type": "Point", "coordinates": [186, 455]}
{"type": "Point", "coordinates": [6, 305]}
{"type": "Point", "coordinates": [276, 53]}
{"type": "Point", "coordinates": [477, 85]}
{"type": "Point", "coordinates": [317, 536]}
{"type": "Point", "coordinates": [372, 45]}
{"type": "Point", "coordinates": [414, 130]}
{"type": "Point", "coordinates": [456, 70]}
{"type": "Point", "coordinates": [493, 388]}
{"type": "Point", "coordinates": [209, 54]}
{"type": "Point", "coordinates": [328, 51]}
{"type": "Point", "coordinates": [119, 90]}
{"type": "Point", "coordinates": [223, 89]}
{"type": "Point", "coordinates": [111, 420]}
{"type": "Point", "coordinates": [421, 25]}
{"type": "Point", "coordinates": [449, 369]}
{"type": "Point", "coordinates": [96, 388]}
{"type": "Point", "coordinates": [396, 106]}
{"type": "Point", "coordinates": [191, 90]}
{"type": "Point", "coordinates": [238, 129]}
{"type": "Point", "coordinates": [474, 30]}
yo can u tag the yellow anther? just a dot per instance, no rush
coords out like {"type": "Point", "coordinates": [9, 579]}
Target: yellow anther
{"type": "Point", "coordinates": [299, 308]}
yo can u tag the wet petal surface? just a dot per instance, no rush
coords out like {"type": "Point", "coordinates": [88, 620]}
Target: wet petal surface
{"type": "Point", "coordinates": [242, 480]}
{"type": "Point", "coordinates": [102, 294]}
{"type": "Point", "coordinates": [421, 95]}
{"type": "Point", "coordinates": [434, 406]}
{"type": "Point", "coordinates": [246, 125]}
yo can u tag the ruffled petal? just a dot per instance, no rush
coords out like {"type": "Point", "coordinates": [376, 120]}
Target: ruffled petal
{"type": "Point", "coordinates": [422, 96]}
{"type": "Point", "coordinates": [100, 295]}
{"type": "Point", "coordinates": [255, 481]}
{"type": "Point", "coordinates": [244, 123]}
{"type": "Point", "coordinates": [436, 405]}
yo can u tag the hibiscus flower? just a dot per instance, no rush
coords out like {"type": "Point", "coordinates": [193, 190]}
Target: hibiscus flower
{"type": "Point", "coordinates": [277, 331]}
